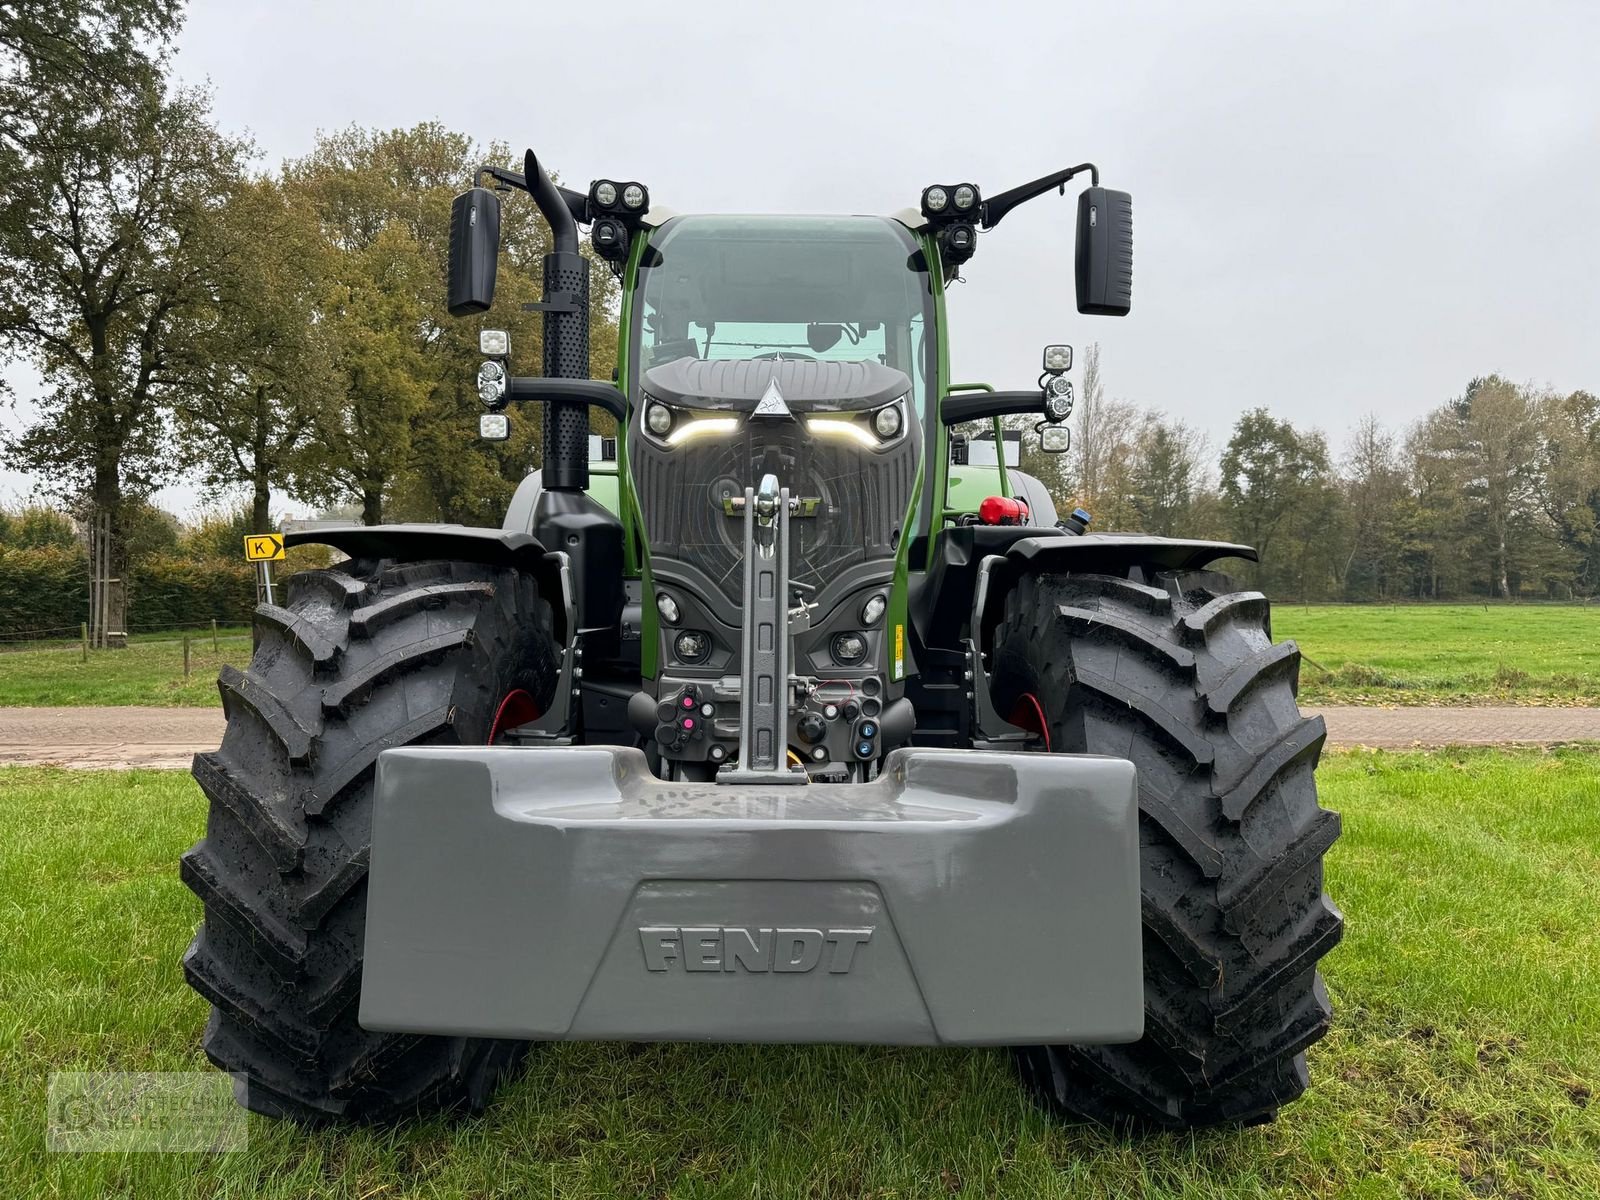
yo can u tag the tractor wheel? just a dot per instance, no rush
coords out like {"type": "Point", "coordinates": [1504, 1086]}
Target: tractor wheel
{"type": "Point", "coordinates": [1181, 676]}
{"type": "Point", "coordinates": [366, 656]}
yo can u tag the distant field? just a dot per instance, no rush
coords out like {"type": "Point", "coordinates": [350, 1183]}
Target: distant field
{"type": "Point", "coordinates": [1418, 654]}
{"type": "Point", "coordinates": [1464, 1059]}
{"type": "Point", "coordinates": [149, 671]}
{"type": "Point", "coordinates": [1445, 654]}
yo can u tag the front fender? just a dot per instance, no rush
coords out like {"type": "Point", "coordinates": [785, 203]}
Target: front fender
{"type": "Point", "coordinates": [941, 604]}
{"type": "Point", "coordinates": [464, 543]}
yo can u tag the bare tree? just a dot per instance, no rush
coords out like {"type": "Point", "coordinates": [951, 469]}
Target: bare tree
{"type": "Point", "coordinates": [1103, 453]}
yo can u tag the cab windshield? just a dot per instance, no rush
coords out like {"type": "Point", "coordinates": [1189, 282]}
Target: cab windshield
{"type": "Point", "coordinates": [825, 288]}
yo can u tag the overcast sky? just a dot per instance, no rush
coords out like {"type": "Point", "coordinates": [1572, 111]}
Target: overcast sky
{"type": "Point", "coordinates": [1339, 209]}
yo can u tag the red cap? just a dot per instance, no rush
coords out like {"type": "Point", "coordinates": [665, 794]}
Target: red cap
{"type": "Point", "coordinates": [1002, 510]}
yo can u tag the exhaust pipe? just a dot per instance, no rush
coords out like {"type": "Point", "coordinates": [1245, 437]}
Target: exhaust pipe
{"type": "Point", "coordinates": [566, 336]}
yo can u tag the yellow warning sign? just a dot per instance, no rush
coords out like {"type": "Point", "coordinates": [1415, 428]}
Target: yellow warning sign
{"type": "Point", "coordinates": [899, 651]}
{"type": "Point", "coordinates": [263, 547]}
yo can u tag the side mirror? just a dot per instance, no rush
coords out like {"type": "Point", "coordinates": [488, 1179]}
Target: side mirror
{"type": "Point", "coordinates": [474, 251]}
{"type": "Point", "coordinates": [1105, 252]}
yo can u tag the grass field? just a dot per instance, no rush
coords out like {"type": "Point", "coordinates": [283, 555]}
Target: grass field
{"type": "Point", "coordinates": [149, 671]}
{"type": "Point", "coordinates": [1465, 1059]}
{"type": "Point", "coordinates": [1418, 654]}
{"type": "Point", "coordinates": [1445, 654]}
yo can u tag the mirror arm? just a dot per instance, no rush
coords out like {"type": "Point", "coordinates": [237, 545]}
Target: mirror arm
{"type": "Point", "coordinates": [976, 406]}
{"type": "Point", "coordinates": [538, 389]}
{"type": "Point", "coordinates": [577, 203]}
{"type": "Point", "coordinates": [996, 207]}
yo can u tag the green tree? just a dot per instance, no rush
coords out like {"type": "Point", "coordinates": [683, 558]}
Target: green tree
{"type": "Point", "coordinates": [404, 435]}
{"type": "Point", "coordinates": [1570, 470]}
{"type": "Point", "coordinates": [1168, 473]}
{"type": "Point", "coordinates": [74, 55]}
{"type": "Point", "coordinates": [262, 371]}
{"type": "Point", "coordinates": [37, 527]}
{"type": "Point", "coordinates": [1378, 503]}
{"type": "Point", "coordinates": [100, 268]}
{"type": "Point", "coordinates": [1274, 481]}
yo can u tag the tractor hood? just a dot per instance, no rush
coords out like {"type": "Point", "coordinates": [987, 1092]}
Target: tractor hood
{"type": "Point", "coordinates": [804, 385]}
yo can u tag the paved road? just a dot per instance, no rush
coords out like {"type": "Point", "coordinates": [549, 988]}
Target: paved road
{"type": "Point", "coordinates": [113, 738]}
{"type": "Point", "coordinates": [107, 738]}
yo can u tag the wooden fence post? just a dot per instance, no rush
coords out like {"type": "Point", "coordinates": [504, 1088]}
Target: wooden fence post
{"type": "Point", "coordinates": [186, 656]}
{"type": "Point", "coordinates": [83, 628]}
{"type": "Point", "coordinates": [213, 635]}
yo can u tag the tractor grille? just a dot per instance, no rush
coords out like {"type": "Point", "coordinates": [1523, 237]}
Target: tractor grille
{"type": "Point", "coordinates": [863, 497]}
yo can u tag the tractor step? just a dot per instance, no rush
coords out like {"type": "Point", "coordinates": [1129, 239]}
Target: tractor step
{"type": "Point", "coordinates": [965, 897]}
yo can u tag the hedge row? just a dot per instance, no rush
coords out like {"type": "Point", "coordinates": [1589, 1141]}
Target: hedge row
{"type": "Point", "coordinates": [46, 589]}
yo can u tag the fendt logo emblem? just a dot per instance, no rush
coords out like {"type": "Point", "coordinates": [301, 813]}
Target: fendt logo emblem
{"type": "Point", "coordinates": [772, 403]}
{"type": "Point", "coordinates": [742, 948]}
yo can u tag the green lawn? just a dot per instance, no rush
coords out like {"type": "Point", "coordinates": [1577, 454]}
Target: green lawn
{"type": "Point", "coordinates": [1445, 654]}
{"type": "Point", "coordinates": [1416, 654]}
{"type": "Point", "coordinates": [1465, 1059]}
{"type": "Point", "coordinates": [149, 671]}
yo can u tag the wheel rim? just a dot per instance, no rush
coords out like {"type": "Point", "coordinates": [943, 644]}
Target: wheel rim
{"type": "Point", "coordinates": [518, 708]}
{"type": "Point", "coordinates": [1027, 714]}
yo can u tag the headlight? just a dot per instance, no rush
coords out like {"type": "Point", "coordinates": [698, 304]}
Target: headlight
{"type": "Point", "coordinates": [492, 384]}
{"type": "Point", "coordinates": [872, 610]}
{"type": "Point", "coordinates": [691, 645]}
{"type": "Point", "coordinates": [668, 608]}
{"type": "Point", "coordinates": [887, 421]}
{"type": "Point", "coordinates": [835, 427]}
{"type": "Point", "coordinates": [703, 427]}
{"type": "Point", "coordinates": [965, 196]}
{"type": "Point", "coordinates": [494, 427]}
{"type": "Point", "coordinates": [633, 196]}
{"type": "Point", "coordinates": [658, 419]}
{"type": "Point", "coordinates": [494, 343]}
{"type": "Point", "coordinates": [1058, 398]}
{"type": "Point", "coordinates": [935, 199]}
{"type": "Point", "coordinates": [605, 193]}
{"type": "Point", "coordinates": [848, 649]}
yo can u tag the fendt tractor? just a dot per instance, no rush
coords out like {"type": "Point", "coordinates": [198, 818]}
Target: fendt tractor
{"type": "Point", "coordinates": [788, 714]}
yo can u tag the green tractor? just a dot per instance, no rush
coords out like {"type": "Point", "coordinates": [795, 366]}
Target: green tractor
{"type": "Point", "coordinates": [779, 717]}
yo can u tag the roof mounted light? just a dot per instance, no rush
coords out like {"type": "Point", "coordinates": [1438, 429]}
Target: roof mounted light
{"type": "Point", "coordinates": [957, 242]}
{"type": "Point", "coordinates": [946, 202]}
{"type": "Point", "coordinates": [610, 238]}
{"type": "Point", "coordinates": [625, 199]}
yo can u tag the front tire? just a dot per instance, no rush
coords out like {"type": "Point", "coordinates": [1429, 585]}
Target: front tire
{"type": "Point", "coordinates": [1182, 677]}
{"type": "Point", "coordinates": [364, 657]}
